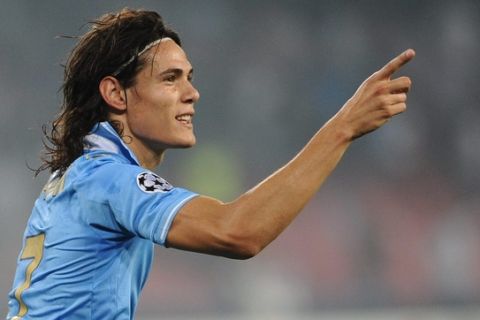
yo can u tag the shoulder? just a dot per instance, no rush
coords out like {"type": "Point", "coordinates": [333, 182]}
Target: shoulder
{"type": "Point", "coordinates": [106, 174]}
{"type": "Point", "coordinates": [138, 199]}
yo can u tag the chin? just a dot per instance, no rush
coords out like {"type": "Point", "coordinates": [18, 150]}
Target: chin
{"type": "Point", "coordinates": [185, 144]}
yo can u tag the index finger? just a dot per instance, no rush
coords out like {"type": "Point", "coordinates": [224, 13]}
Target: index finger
{"type": "Point", "coordinates": [396, 63]}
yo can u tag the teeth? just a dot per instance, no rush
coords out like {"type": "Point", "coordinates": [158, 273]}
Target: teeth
{"type": "Point", "coordinates": [184, 118]}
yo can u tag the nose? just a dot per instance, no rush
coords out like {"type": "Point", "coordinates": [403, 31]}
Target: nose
{"type": "Point", "coordinates": [191, 93]}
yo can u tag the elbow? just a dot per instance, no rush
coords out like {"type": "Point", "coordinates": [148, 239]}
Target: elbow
{"type": "Point", "coordinates": [241, 247]}
{"type": "Point", "coordinates": [245, 252]}
{"type": "Point", "coordinates": [242, 253]}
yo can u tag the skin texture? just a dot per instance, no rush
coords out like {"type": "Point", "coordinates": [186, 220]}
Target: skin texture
{"type": "Point", "coordinates": [242, 228]}
{"type": "Point", "coordinates": [150, 110]}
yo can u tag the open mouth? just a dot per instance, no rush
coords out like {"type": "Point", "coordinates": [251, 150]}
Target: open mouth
{"type": "Point", "coordinates": [185, 119]}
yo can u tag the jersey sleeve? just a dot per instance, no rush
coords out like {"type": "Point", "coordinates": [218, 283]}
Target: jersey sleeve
{"type": "Point", "coordinates": [140, 201]}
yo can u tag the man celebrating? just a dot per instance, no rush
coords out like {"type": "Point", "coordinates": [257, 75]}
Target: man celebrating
{"type": "Point", "coordinates": [128, 97]}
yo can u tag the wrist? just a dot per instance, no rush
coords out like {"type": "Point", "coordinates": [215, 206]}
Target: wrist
{"type": "Point", "coordinates": [340, 130]}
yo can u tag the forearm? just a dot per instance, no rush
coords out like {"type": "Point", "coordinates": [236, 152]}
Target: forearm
{"type": "Point", "coordinates": [243, 227]}
{"type": "Point", "coordinates": [265, 211]}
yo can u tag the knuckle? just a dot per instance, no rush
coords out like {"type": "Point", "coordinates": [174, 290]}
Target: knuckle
{"type": "Point", "coordinates": [369, 80]}
{"type": "Point", "coordinates": [400, 97]}
{"type": "Point", "coordinates": [381, 88]}
{"type": "Point", "coordinates": [387, 113]}
{"type": "Point", "coordinates": [398, 108]}
{"type": "Point", "coordinates": [383, 100]}
{"type": "Point", "coordinates": [408, 82]}
{"type": "Point", "coordinates": [374, 77]}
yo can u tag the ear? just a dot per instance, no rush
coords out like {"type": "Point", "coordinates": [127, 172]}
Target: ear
{"type": "Point", "coordinates": [112, 93]}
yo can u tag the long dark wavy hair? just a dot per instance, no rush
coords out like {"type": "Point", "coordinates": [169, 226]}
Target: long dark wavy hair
{"type": "Point", "coordinates": [104, 50]}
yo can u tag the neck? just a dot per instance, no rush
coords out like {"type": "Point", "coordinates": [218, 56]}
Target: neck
{"type": "Point", "coordinates": [148, 157]}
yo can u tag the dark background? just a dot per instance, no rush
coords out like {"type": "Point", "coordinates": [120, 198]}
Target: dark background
{"type": "Point", "coordinates": [398, 222]}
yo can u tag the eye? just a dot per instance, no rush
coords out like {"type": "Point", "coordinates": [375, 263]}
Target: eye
{"type": "Point", "coordinates": [170, 78]}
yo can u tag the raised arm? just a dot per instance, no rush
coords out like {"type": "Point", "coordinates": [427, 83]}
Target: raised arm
{"type": "Point", "coordinates": [242, 228]}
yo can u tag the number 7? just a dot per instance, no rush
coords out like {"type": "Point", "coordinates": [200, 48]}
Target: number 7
{"type": "Point", "coordinates": [33, 250]}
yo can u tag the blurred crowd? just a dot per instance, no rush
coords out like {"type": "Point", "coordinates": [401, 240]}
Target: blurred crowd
{"type": "Point", "coordinates": [398, 223]}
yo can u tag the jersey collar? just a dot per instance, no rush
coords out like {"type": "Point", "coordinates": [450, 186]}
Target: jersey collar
{"type": "Point", "coordinates": [104, 138]}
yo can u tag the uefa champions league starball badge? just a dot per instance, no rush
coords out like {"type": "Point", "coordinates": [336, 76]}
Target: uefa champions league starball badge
{"type": "Point", "coordinates": [149, 182]}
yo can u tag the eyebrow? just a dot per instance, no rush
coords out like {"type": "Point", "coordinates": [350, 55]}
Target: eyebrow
{"type": "Point", "coordinates": [176, 71]}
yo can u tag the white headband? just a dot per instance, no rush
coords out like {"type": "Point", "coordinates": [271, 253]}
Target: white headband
{"type": "Point", "coordinates": [148, 46]}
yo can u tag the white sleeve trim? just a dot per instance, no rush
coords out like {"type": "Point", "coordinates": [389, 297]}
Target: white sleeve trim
{"type": "Point", "coordinates": [171, 216]}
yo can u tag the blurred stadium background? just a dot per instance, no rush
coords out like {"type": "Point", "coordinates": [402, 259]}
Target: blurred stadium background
{"type": "Point", "coordinates": [394, 233]}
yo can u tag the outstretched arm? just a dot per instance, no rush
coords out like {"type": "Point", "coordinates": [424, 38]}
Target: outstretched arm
{"type": "Point", "coordinates": [243, 227]}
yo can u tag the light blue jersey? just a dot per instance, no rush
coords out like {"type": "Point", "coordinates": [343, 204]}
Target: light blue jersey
{"type": "Point", "coordinates": [88, 245]}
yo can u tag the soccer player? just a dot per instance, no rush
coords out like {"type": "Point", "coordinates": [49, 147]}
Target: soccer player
{"type": "Point", "coordinates": [128, 97]}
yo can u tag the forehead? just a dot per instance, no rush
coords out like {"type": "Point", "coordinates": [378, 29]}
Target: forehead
{"type": "Point", "coordinates": [167, 54]}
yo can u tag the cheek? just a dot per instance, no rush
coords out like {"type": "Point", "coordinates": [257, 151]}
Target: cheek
{"type": "Point", "coordinates": [152, 118]}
